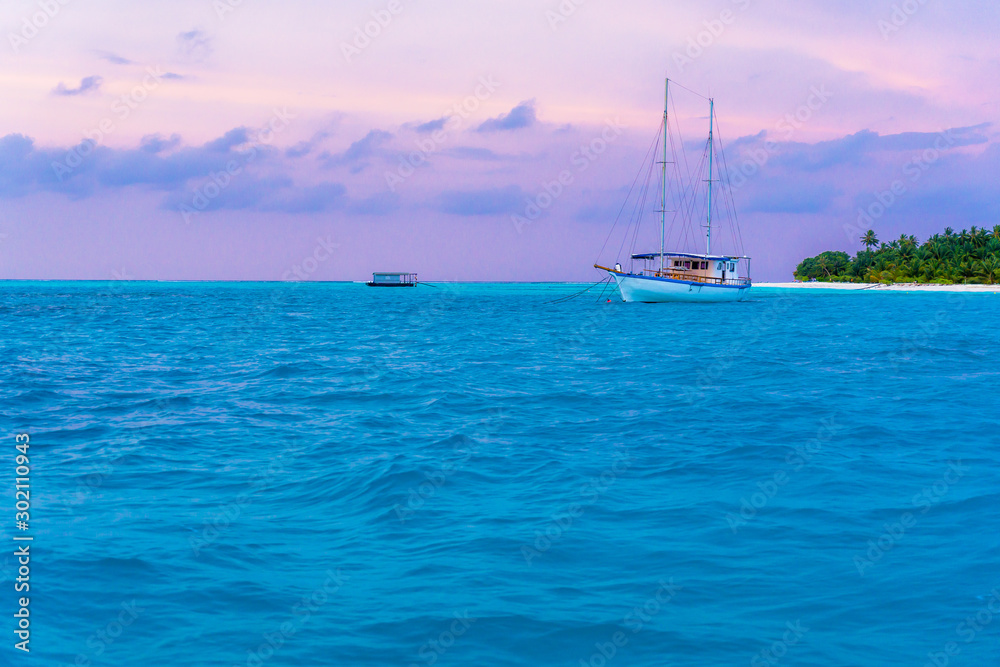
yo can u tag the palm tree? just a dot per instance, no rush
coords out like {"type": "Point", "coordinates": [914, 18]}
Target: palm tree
{"type": "Point", "coordinates": [931, 270]}
{"type": "Point", "coordinates": [870, 240]}
{"type": "Point", "coordinates": [991, 269]}
{"type": "Point", "coordinates": [823, 265]}
{"type": "Point", "coordinates": [967, 270]}
{"type": "Point", "coordinates": [996, 232]}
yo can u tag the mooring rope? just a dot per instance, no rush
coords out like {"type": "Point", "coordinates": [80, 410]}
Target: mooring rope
{"type": "Point", "coordinates": [581, 292]}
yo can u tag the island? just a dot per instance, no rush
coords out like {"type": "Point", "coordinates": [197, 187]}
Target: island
{"type": "Point", "coordinates": [966, 258]}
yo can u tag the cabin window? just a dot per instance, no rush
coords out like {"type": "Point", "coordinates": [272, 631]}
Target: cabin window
{"type": "Point", "coordinates": [687, 265]}
{"type": "Point", "coordinates": [718, 267]}
{"type": "Point", "coordinates": [732, 267]}
{"type": "Point", "coordinates": [704, 266]}
{"type": "Point", "coordinates": [677, 262]}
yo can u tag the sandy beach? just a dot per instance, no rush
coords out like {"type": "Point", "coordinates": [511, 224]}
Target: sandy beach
{"type": "Point", "coordinates": [901, 287]}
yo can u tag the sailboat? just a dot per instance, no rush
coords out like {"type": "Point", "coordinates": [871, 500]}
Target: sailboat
{"type": "Point", "coordinates": [684, 276]}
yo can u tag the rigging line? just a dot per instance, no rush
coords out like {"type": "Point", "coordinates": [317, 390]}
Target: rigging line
{"type": "Point", "coordinates": [689, 204]}
{"type": "Point", "coordinates": [725, 195]}
{"type": "Point", "coordinates": [688, 89]}
{"type": "Point", "coordinates": [625, 203]}
{"type": "Point", "coordinates": [647, 204]}
{"type": "Point", "coordinates": [730, 201]}
{"type": "Point", "coordinates": [640, 205]}
{"type": "Point", "coordinates": [691, 185]}
{"type": "Point", "coordinates": [734, 228]}
{"type": "Point", "coordinates": [673, 218]}
{"type": "Point", "coordinates": [669, 187]}
{"type": "Point", "coordinates": [687, 186]}
{"type": "Point", "coordinates": [681, 189]}
{"type": "Point", "coordinates": [727, 208]}
{"type": "Point", "coordinates": [687, 200]}
{"type": "Point", "coordinates": [690, 229]}
{"type": "Point", "coordinates": [631, 221]}
{"type": "Point", "coordinates": [695, 185]}
{"type": "Point", "coordinates": [629, 195]}
{"type": "Point", "coordinates": [640, 197]}
{"type": "Point", "coordinates": [684, 205]}
{"type": "Point", "coordinates": [732, 195]}
{"type": "Point", "coordinates": [687, 167]}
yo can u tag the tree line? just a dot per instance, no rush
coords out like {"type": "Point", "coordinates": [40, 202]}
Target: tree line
{"type": "Point", "coordinates": [971, 256]}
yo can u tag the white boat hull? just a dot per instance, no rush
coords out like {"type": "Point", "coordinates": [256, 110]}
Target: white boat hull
{"type": "Point", "coordinates": [645, 289]}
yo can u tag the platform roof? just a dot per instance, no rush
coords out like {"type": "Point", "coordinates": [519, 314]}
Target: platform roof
{"type": "Point", "coordinates": [655, 255]}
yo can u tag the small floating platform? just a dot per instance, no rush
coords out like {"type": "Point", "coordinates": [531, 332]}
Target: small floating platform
{"type": "Point", "coordinates": [393, 280]}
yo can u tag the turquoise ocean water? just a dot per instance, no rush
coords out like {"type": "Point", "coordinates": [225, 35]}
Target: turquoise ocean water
{"type": "Point", "coordinates": [327, 474]}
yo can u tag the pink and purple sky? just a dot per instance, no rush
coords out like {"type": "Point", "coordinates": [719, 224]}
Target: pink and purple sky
{"type": "Point", "coordinates": [253, 140]}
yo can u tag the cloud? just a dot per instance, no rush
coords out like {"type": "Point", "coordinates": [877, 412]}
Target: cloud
{"type": "Point", "coordinates": [114, 58]}
{"type": "Point", "coordinates": [261, 180]}
{"type": "Point", "coordinates": [235, 137]}
{"type": "Point", "coordinates": [303, 148]}
{"type": "Point", "coordinates": [275, 194]}
{"type": "Point", "coordinates": [471, 153]}
{"type": "Point", "coordinates": [358, 152]}
{"type": "Point", "coordinates": [491, 201]}
{"type": "Point", "coordinates": [958, 189]}
{"type": "Point", "coordinates": [794, 196]}
{"type": "Point", "coordinates": [521, 116]}
{"type": "Point", "coordinates": [912, 182]}
{"type": "Point", "coordinates": [194, 45]}
{"type": "Point", "coordinates": [823, 183]}
{"type": "Point", "coordinates": [17, 162]}
{"type": "Point", "coordinates": [87, 84]}
{"type": "Point", "coordinates": [861, 148]}
{"type": "Point", "coordinates": [954, 138]}
{"type": "Point", "coordinates": [88, 168]}
{"type": "Point", "coordinates": [155, 143]}
{"type": "Point", "coordinates": [246, 192]}
{"type": "Point", "coordinates": [431, 126]}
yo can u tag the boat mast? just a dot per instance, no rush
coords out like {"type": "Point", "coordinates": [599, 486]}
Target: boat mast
{"type": "Point", "coordinates": [711, 150]}
{"type": "Point", "coordinates": [663, 198]}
